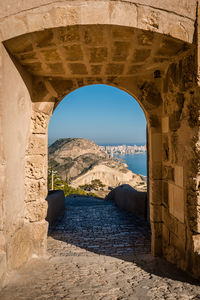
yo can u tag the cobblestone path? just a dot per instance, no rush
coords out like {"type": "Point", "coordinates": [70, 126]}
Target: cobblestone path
{"type": "Point", "coordinates": [97, 251]}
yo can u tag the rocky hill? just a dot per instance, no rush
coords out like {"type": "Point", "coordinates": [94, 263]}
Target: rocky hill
{"type": "Point", "coordinates": [79, 161]}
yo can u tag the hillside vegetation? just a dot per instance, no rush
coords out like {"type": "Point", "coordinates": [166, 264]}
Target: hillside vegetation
{"type": "Point", "coordinates": [79, 162]}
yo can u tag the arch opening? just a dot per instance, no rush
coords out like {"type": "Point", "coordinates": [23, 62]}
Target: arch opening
{"type": "Point", "coordinates": [90, 132]}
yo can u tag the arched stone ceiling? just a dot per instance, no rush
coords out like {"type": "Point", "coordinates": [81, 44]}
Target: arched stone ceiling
{"type": "Point", "coordinates": [65, 58]}
{"type": "Point", "coordinates": [94, 50]}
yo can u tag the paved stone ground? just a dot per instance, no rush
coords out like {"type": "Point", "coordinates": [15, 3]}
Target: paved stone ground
{"type": "Point", "coordinates": [97, 251]}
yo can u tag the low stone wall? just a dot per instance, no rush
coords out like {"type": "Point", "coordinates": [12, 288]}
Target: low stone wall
{"type": "Point", "coordinates": [56, 204]}
{"type": "Point", "coordinates": [130, 199]}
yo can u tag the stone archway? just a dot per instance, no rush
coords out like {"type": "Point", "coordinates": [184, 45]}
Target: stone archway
{"type": "Point", "coordinates": [58, 52]}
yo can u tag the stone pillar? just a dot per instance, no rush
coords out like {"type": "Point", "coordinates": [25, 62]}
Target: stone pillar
{"type": "Point", "coordinates": [36, 167]}
{"type": "Point", "coordinates": [180, 126]}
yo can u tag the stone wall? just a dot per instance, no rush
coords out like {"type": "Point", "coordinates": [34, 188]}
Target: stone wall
{"type": "Point", "coordinates": [180, 125]}
{"type": "Point", "coordinates": [146, 48]}
{"type": "Point", "coordinates": [15, 232]}
{"type": "Point", "coordinates": [131, 200]}
{"type": "Point", "coordinates": [56, 205]}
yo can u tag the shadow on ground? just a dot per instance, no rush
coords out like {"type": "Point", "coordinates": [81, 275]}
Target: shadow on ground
{"type": "Point", "coordinates": [98, 226]}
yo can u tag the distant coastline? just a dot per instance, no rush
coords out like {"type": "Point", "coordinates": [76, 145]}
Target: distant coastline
{"type": "Point", "coordinates": [113, 150]}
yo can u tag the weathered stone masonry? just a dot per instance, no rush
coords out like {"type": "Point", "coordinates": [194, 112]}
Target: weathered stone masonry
{"type": "Point", "coordinates": [147, 48]}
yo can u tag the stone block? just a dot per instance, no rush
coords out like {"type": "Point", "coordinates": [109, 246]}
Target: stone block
{"type": "Point", "coordinates": [44, 38]}
{"type": "Point", "coordinates": [78, 68]}
{"type": "Point", "coordinates": [169, 254]}
{"type": "Point", "coordinates": [38, 21]}
{"type": "Point", "coordinates": [56, 205]}
{"type": "Point", "coordinates": [62, 86]}
{"type": "Point", "coordinates": [134, 69]}
{"type": "Point", "coordinates": [68, 34]}
{"type": "Point", "coordinates": [50, 55]}
{"type": "Point", "coordinates": [196, 243]}
{"type": "Point", "coordinates": [3, 267]}
{"type": "Point", "coordinates": [19, 44]}
{"type": "Point", "coordinates": [37, 144]}
{"type": "Point", "coordinates": [98, 54]}
{"type": "Point", "coordinates": [169, 220]}
{"type": "Point", "coordinates": [56, 68]}
{"type": "Point", "coordinates": [45, 106]}
{"type": "Point", "coordinates": [181, 231]}
{"type": "Point", "coordinates": [154, 121]}
{"type": "Point", "coordinates": [28, 241]}
{"type": "Point", "coordinates": [40, 91]}
{"type": "Point", "coordinates": [122, 13]}
{"type": "Point", "coordinates": [94, 35]}
{"type": "Point", "coordinates": [174, 121]}
{"type": "Point", "coordinates": [33, 67]}
{"type": "Point", "coordinates": [155, 213]}
{"type": "Point", "coordinates": [148, 18]}
{"type": "Point", "coordinates": [165, 148]}
{"type": "Point", "coordinates": [12, 27]}
{"type": "Point", "coordinates": [35, 190]}
{"type": "Point", "coordinates": [168, 173]}
{"type": "Point", "coordinates": [179, 176]}
{"type": "Point", "coordinates": [2, 241]}
{"type": "Point", "coordinates": [27, 57]}
{"type": "Point", "coordinates": [64, 15]}
{"type": "Point", "coordinates": [165, 193]}
{"type": "Point", "coordinates": [156, 147]}
{"type": "Point", "coordinates": [178, 27]}
{"type": "Point", "coordinates": [36, 210]}
{"type": "Point", "coordinates": [126, 34]}
{"type": "Point", "coordinates": [38, 235]}
{"type": "Point", "coordinates": [114, 69]}
{"type": "Point", "coordinates": [141, 55]}
{"type": "Point", "coordinates": [155, 191]}
{"type": "Point", "coordinates": [168, 48]}
{"type": "Point", "coordinates": [156, 240]}
{"type": "Point", "coordinates": [96, 69]}
{"type": "Point", "coordinates": [95, 13]}
{"type": "Point", "coordinates": [145, 38]}
{"type": "Point", "coordinates": [73, 53]}
{"type": "Point", "coordinates": [165, 235]}
{"type": "Point", "coordinates": [36, 167]}
{"type": "Point", "coordinates": [176, 202]}
{"type": "Point", "coordinates": [177, 243]}
{"type": "Point", "coordinates": [155, 171]}
{"type": "Point", "coordinates": [39, 122]}
{"type": "Point", "coordinates": [194, 217]}
{"type": "Point", "coordinates": [19, 248]}
{"type": "Point", "coordinates": [165, 124]}
{"type": "Point", "coordinates": [120, 50]}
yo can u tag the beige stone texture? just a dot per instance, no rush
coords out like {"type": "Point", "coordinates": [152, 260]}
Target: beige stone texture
{"type": "Point", "coordinates": [179, 176]}
{"type": "Point", "coordinates": [37, 144]}
{"type": "Point", "coordinates": [36, 210]}
{"type": "Point", "coordinates": [3, 267]}
{"type": "Point", "coordinates": [156, 148]}
{"type": "Point", "coordinates": [196, 240]}
{"type": "Point", "coordinates": [144, 47]}
{"type": "Point", "coordinates": [176, 202]}
{"type": "Point", "coordinates": [35, 190]}
{"type": "Point", "coordinates": [36, 167]}
{"type": "Point", "coordinates": [155, 213]}
{"type": "Point", "coordinates": [138, 14]}
{"type": "Point", "coordinates": [165, 124]}
{"type": "Point", "coordinates": [21, 248]}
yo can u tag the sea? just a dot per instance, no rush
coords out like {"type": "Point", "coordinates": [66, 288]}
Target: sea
{"type": "Point", "coordinates": [137, 163]}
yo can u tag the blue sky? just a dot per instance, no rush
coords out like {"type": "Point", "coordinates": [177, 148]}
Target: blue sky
{"type": "Point", "coordinates": [102, 113]}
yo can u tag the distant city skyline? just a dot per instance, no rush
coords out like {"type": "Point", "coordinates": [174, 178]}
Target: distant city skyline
{"type": "Point", "coordinates": [101, 113]}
